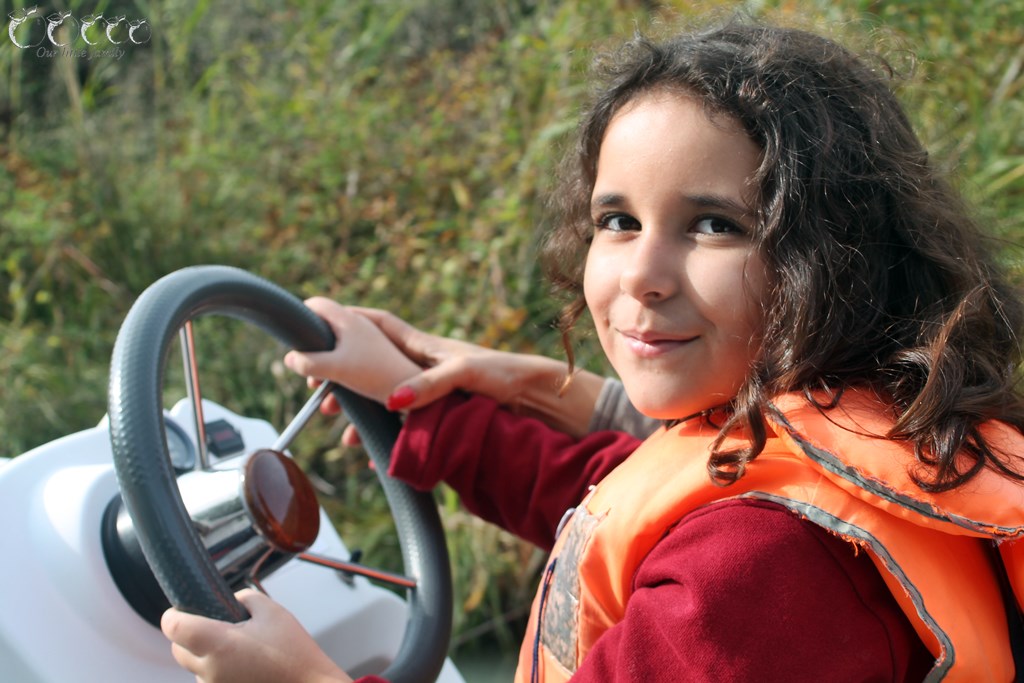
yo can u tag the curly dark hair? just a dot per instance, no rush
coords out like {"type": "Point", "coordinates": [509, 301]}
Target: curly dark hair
{"type": "Point", "coordinates": [878, 274]}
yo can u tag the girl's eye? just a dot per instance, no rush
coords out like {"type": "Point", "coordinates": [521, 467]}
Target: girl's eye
{"type": "Point", "coordinates": [713, 225]}
{"type": "Point", "coordinates": [617, 222]}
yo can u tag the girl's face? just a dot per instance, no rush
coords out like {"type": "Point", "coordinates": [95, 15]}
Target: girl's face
{"type": "Point", "coordinates": [671, 279]}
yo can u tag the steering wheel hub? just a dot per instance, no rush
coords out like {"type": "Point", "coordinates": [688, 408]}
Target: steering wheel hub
{"type": "Point", "coordinates": [281, 501]}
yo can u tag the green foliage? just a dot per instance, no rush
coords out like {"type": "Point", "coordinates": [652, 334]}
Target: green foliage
{"type": "Point", "coordinates": [382, 152]}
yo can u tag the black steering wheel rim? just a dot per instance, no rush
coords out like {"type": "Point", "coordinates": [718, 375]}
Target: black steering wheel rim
{"type": "Point", "coordinates": [166, 535]}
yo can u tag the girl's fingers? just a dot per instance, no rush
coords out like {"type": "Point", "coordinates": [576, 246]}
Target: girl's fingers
{"type": "Point", "coordinates": [350, 437]}
{"type": "Point", "coordinates": [327, 309]}
{"type": "Point", "coordinates": [330, 406]}
{"type": "Point", "coordinates": [185, 659]}
{"type": "Point", "coordinates": [191, 631]}
{"type": "Point", "coordinates": [428, 386]}
{"type": "Point", "coordinates": [419, 346]}
{"type": "Point", "coordinates": [310, 364]}
{"type": "Point", "coordinates": [256, 603]}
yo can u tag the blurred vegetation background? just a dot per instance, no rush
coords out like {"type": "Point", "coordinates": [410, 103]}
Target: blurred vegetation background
{"type": "Point", "coordinates": [390, 153]}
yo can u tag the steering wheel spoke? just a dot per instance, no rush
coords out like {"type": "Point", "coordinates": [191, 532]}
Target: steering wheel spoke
{"type": "Point", "coordinates": [349, 567]}
{"type": "Point", "coordinates": [195, 396]}
{"type": "Point", "coordinates": [302, 418]}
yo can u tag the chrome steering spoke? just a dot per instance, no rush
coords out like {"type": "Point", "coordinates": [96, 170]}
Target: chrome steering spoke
{"type": "Point", "coordinates": [304, 415]}
{"type": "Point", "coordinates": [188, 356]}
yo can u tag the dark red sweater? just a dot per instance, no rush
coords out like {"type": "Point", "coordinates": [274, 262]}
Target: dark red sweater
{"type": "Point", "coordinates": [740, 590]}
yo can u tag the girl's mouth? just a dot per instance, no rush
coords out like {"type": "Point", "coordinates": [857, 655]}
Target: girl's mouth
{"type": "Point", "coordinates": [652, 344]}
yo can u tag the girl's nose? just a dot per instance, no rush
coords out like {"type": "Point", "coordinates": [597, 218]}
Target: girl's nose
{"type": "Point", "coordinates": [652, 269]}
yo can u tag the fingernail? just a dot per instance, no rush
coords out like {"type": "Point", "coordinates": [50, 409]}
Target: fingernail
{"type": "Point", "coordinates": [402, 398]}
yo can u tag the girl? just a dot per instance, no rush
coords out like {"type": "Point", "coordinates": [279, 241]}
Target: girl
{"type": "Point", "coordinates": [775, 269]}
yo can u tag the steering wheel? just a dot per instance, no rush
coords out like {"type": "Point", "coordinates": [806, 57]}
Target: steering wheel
{"type": "Point", "coordinates": [168, 539]}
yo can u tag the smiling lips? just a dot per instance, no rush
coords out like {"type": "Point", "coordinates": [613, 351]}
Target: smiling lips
{"type": "Point", "coordinates": [652, 344]}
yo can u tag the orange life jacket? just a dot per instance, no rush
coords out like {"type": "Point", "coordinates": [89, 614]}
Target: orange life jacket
{"type": "Point", "coordinates": [834, 470]}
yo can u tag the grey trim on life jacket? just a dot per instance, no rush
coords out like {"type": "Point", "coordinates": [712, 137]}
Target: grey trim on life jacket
{"type": "Point", "coordinates": [847, 530]}
{"type": "Point", "coordinates": [832, 463]}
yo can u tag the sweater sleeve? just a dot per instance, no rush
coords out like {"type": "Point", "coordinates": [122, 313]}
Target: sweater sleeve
{"type": "Point", "coordinates": [613, 410]}
{"type": "Point", "coordinates": [510, 470]}
{"type": "Point", "coordinates": [744, 590]}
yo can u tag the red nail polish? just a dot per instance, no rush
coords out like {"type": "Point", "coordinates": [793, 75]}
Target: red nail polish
{"type": "Point", "coordinates": [402, 398]}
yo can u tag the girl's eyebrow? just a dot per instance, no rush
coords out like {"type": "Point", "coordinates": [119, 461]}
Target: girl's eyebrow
{"type": "Point", "coordinates": [719, 202]}
{"type": "Point", "coordinates": [702, 200]}
{"type": "Point", "coordinates": [605, 200]}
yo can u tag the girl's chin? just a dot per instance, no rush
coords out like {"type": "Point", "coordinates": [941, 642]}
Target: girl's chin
{"type": "Point", "coordinates": [660, 410]}
{"type": "Point", "coordinates": [662, 407]}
